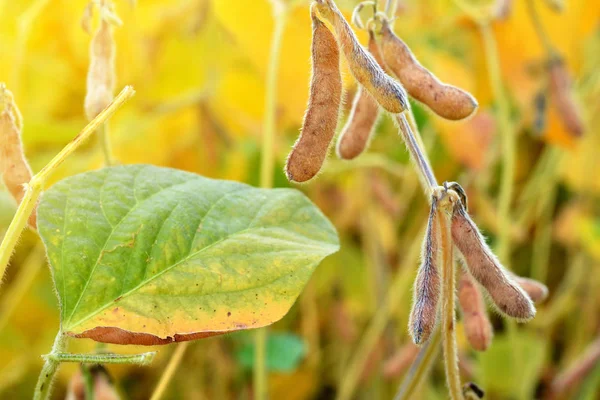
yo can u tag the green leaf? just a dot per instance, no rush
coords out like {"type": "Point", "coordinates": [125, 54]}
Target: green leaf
{"type": "Point", "coordinates": [148, 255]}
{"type": "Point", "coordinates": [285, 351]}
{"type": "Point", "coordinates": [497, 372]}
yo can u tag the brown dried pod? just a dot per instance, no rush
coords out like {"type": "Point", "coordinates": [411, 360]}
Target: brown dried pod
{"type": "Point", "coordinates": [363, 117]}
{"type": "Point", "coordinates": [478, 328]}
{"type": "Point", "coordinates": [560, 90]}
{"type": "Point", "coordinates": [447, 101]}
{"type": "Point", "coordinates": [423, 316]}
{"type": "Point", "coordinates": [365, 69]}
{"type": "Point", "coordinates": [14, 167]}
{"type": "Point", "coordinates": [537, 291]}
{"type": "Point", "coordinates": [101, 73]}
{"type": "Point", "coordinates": [483, 265]}
{"type": "Point", "coordinates": [320, 121]}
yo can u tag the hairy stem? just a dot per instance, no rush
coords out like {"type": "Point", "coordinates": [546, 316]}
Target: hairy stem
{"type": "Point", "coordinates": [166, 376]}
{"type": "Point", "coordinates": [106, 358]}
{"type": "Point", "coordinates": [36, 185]}
{"type": "Point", "coordinates": [448, 308]}
{"type": "Point", "coordinates": [44, 383]}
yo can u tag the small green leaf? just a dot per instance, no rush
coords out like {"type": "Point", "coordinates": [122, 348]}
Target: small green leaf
{"type": "Point", "coordinates": [148, 255]}
{"type": "Point", "coordinates": [285, 351]}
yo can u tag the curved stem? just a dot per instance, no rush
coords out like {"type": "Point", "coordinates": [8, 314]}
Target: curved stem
{"type": "Point", "coordinates": [33, 190]}
{"type": "Point", "coordinates": [174, 362]}
{"type": "Point", "coordinates": [420, 367]}
{"type": "Point", "coordinates": [44, 383]}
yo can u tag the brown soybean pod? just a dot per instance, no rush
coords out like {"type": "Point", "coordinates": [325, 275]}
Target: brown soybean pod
{"type": "Point", "coordinates": [447, 101]}
{"type": "Point", "coordinates": [537, 291]}
{"type": "Point", "coordinates": [479, 260]}
{"type": "Point", "coordinates": [478, 328]}
{"type": "Point", "coordinates": [385, 90]}
{"type": "Point", "coordinates": [363, 116]}
{"type": "Point", "coordinates": [101, 74]}
{"type": "Point", "coordinates": [423, 316]}
{"type": "Point", "coordinates": [14, 167]}
{"type": "Point", "coordinates": [320, 121]}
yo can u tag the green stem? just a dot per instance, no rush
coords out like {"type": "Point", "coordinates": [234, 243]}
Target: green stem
{"type": "Point", "coordinates": [508, 142]}
{"type": "Point", "coordinates": [104, 138]}
{"type": "Point", "coordinates": [35, 186]}
{"type": "Point", "coordinates": [267, 166]}
{"type": "Point", "coordinates": [107, 358]}
{"type": "Point", "coordinates": [44, 383]}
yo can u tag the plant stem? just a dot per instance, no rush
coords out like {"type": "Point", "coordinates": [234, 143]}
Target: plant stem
{"type": "Point", "coordinates": [395, 294]}
{"type": "Point", "coordinates": [448, 307]}
{"type": "Point", "coordinates": [417, 154]}
{"type": "Point", "coordinates": [170, 370]}
{"type": "Point", "coordinates": [420, 367]}
{"type": "Point", "coordinates": [104, 138]}
{"type": "Point", "coordinates": [508, 142]}
{"type": "Point", "coordinates": [35, 186]}
{"type": "Point", "coordinates": [539, 29]}
{"type": "Point", "coordinates": [106, 358]}
{"type": "Point", "coordinates": [44, 383]}
{"type": "Point", "coordinates": [267, 166]}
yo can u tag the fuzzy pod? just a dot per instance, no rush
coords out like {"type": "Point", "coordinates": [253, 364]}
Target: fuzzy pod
{"type": "Point", "coordinates": [423, 316]}
{"type": "Point", "coordinates": [363, 66]}
{"type": "Point", "coordinates": [483, 265]}
{"type": "Point", "coordinates": [560, 90]}
{"type": "Point", "coordinates": [320, 121]}
{"type": "Point", "coordinates": [363, 117]}
{"type": "Point", "coordinates": [14, 167]}
{"type": "Point", "coordinates": [101, 72]}
{"type": "Point", "coordinates": [477, 326]}
{"type": "Point", "coordinates": [447, 101]}
{"type": "Point", "coordinates": [537, 291]}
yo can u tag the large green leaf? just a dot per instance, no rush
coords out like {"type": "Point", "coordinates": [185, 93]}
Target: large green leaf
{"type": "Point", "coordinates": [148, 255]}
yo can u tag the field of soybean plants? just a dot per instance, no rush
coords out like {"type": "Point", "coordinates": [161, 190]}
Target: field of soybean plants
{"type": "Point", "coordinates": [300, 199]}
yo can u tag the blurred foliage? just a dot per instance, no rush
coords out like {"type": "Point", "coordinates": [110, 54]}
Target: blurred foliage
{"type": "Point", "coordinates": [199, 68]}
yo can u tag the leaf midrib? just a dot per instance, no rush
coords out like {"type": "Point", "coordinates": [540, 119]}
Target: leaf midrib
{"type": "Point", "coordinates": [316, 250]}
{"type": "Point", "coordinates": [135, 207]}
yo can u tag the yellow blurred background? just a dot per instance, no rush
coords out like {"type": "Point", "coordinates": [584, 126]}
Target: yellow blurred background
{"type": "Point", "coordinates": [199, 68]}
